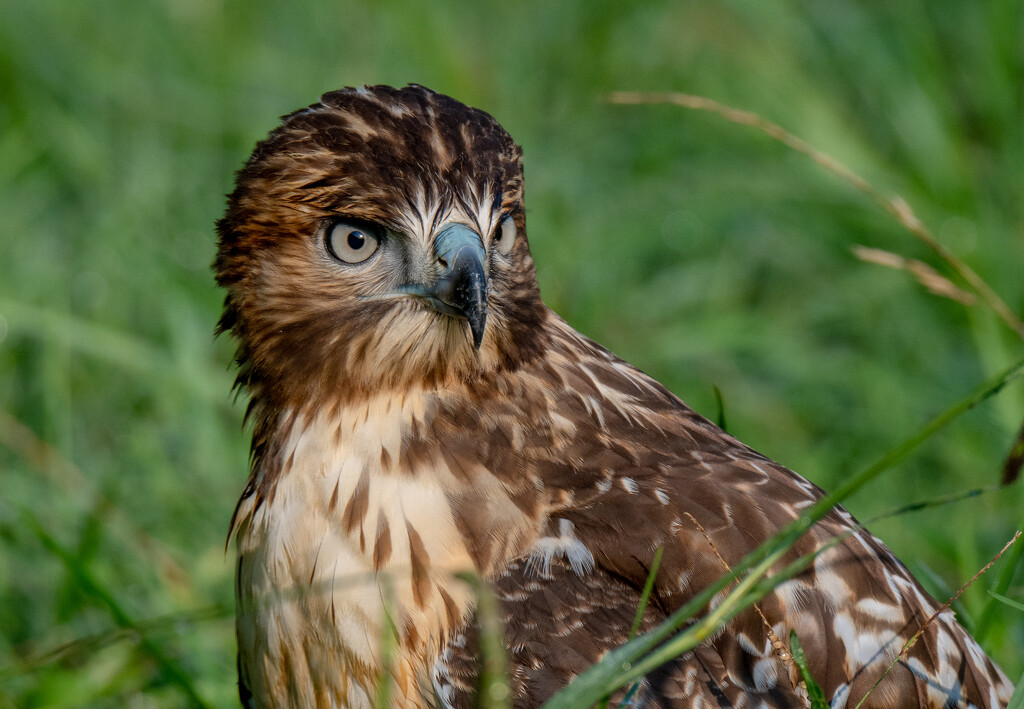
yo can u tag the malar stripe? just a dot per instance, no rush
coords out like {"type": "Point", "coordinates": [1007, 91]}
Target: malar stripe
{"type": "Point", "coordinates": [419, 560]}
{"type": "Point", "coordinates": [355, 509]}
{"type": "Point", "coordinates": [382, 544]}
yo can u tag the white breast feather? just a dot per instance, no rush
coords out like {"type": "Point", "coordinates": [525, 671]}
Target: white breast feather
{"type": "Point", "coordinates": [319, 595]}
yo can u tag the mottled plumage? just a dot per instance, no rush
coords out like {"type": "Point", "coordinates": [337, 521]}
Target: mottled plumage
{"type": "Point", "coordinates": [418, 411]}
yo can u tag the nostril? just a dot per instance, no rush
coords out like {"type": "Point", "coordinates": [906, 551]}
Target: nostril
{"type": "Point", "coordinates": [444, 264]}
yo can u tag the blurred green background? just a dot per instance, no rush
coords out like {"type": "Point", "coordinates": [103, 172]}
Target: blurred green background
{"type": "Point", "coordinates": [698, 249]}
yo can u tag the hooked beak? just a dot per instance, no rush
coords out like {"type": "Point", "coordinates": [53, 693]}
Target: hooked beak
{"type": "Point", "coordinates": [461, 286]}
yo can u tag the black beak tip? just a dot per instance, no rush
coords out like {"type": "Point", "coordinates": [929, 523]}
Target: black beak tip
{"type": "Point", "coordinates": [477, 326]}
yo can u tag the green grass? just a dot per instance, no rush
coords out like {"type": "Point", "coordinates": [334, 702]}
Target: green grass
{"type": "Point", "coordinates": [702, 251]}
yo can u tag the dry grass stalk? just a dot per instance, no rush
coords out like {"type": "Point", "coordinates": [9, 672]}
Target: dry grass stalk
{"type": "Point", "coordinates": [927, 276]}
{"type": "Point", "coordinates": [942, 609]}
{"type": "Point", "coordinates": [781, 651]}
{"type": "Point", "coordinates": [896, 205]}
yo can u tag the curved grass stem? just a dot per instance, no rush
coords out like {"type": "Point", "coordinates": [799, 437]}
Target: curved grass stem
{"type": "Point", "coordinates": [896, 205]}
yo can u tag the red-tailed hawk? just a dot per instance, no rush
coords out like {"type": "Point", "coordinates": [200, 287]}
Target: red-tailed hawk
{"type": "Point", "coordinates": [418, 411]}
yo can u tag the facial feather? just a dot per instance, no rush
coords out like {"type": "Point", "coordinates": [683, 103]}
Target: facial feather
{"type": "Point", "coordinates": [408, 160]}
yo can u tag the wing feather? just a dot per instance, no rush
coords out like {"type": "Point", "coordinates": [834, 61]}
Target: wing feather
{"type": "Point", "coordinates": [647, 471]}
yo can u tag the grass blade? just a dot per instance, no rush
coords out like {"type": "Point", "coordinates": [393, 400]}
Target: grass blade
{"type": "Point", "coordinates": [1017, 700]}
{"type": "Point", "coordinates": [987, 619]}
{"type": "Point", "coordinates": [92, 587]}
{"type": "Point", "coordinates": [77, 650]}
{"type": "Point", "coordinates": [494, 692]}
{"type": "Point", "coordinates": [720, 420]}
{"type": "Point", "coordinates": [646, 595]}
{"type": "Point", "coordinates": [1008, 601]}
{"type": "Point", "coordinates": [814, 691]}
{"type": "Point", "coordinates": [638, 618]}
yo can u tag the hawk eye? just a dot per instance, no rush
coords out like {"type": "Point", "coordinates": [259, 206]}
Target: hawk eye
{"type": "Point", "coordinates": [351, 243]}
{"type": "Point", "coordinates": [504, 235]}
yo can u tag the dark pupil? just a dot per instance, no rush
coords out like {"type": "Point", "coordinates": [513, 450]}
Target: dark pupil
{"type": "Point", "coordinates": [356, 240]}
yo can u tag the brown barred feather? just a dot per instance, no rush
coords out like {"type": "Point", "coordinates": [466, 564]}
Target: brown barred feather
{"type": "Point", "coordinates": [390, 455]}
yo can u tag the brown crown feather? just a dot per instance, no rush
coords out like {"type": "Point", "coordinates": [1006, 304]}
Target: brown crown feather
{"type": "Point", "coordinates": [374, 154]}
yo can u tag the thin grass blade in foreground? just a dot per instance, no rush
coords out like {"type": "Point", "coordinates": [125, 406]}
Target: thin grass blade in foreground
{"type": "Point", "coordinates": [814, 692]}
{"type": "Point", "coordinates": [494, 692]}
{"type": "Point", "coordinates": [1008, 601]}
{"type": "Point", "coordinates": [943, 608]}
{"type": "Point", "coordinates": [639, 656]}
{"type": "Point", "coordinates": [646, 595]}
{"type": "Point", "coordinates": [388, 644]}
{"type": "Point", "coordinates": [720, 420]}
{"type": "Point", "coordinates": [1017, 700]}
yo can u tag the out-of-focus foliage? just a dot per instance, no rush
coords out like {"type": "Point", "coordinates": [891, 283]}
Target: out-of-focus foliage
{"type": "Point", "coordinates": [699, 250]}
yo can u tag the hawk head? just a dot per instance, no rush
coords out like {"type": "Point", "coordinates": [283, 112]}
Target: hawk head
{"type": "Point", "coordinates": [376, 240]}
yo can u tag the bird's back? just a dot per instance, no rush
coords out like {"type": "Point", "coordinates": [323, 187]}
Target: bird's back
{"type": "Point", "coordinates": [641, 471]}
